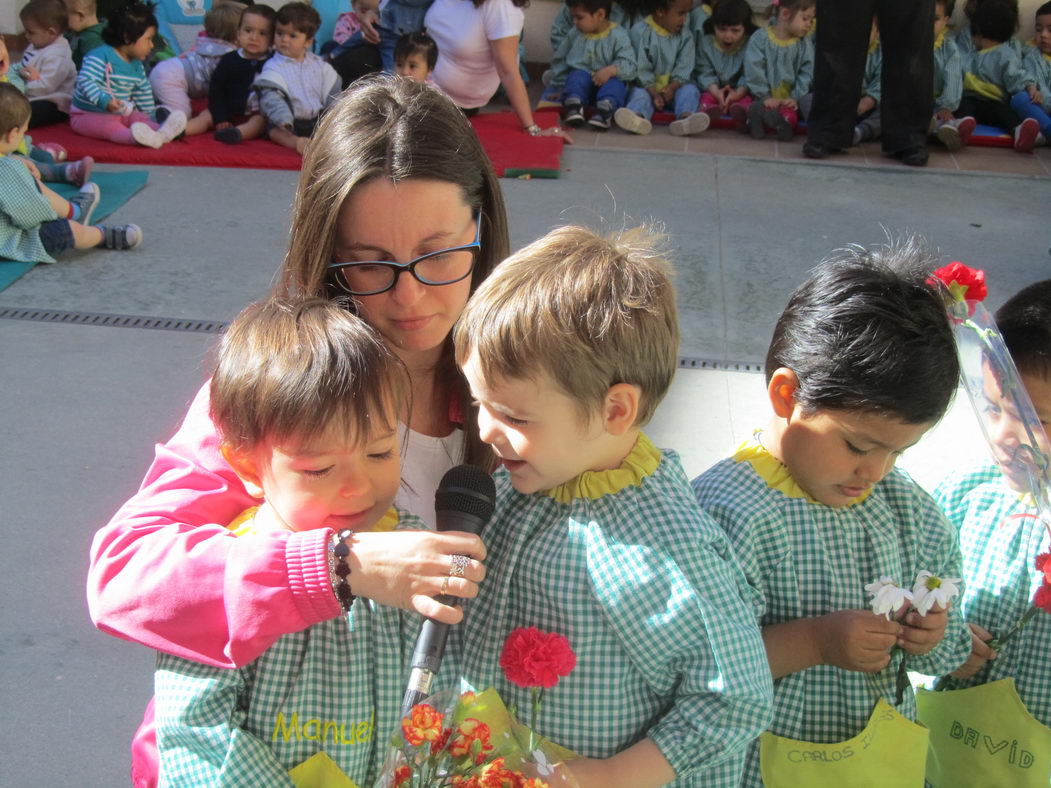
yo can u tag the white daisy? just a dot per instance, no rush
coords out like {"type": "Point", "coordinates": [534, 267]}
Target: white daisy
{"type": "Point", "coordinates": [887, 598]}
{"type": "Point", "coordinates": [930, 590]}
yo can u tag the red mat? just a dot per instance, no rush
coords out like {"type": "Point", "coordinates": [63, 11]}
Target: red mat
{"type": "Point", "coordinates": [513, 153]}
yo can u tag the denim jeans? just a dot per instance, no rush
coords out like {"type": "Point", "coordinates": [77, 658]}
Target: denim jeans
{"type": "Point", "coordinates": [580, 86]}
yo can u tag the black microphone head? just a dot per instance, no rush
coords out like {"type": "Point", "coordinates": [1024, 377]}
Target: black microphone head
{"type": "Point", "coordinates": [468, 489]}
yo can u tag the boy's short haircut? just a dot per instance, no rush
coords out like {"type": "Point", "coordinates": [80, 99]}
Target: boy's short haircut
{"type": "Point", "coordinates": [592, 6]}
{"type": "Point", "coordinates": [223, 19]}
{"type": "Point", "coordinates": [129, 23]}
{"type": "Point", "coordinates": [996, 20]}
{"type": "Point", "coordinates": [730, 13]}
{"type": "Point", "coordinates": [46, 13]}
{"type": "Point", "coordinates": [259, 9]}
{"type": "Point", "coordinates": [866, 332]}
{"type": "Point", "coordinates": [1025, 324]}
{"type": "Point", "coordinates": [14, 108]}
{"type": "Point", "coordinates": [411, 43]}
{"type": "Point", "coordinates": [86, 7]}
{"type": "Point", "coordinates": [587, 311]}
{"type": "Point", "coordinates": [1043, 10]}
{"type": "Point", "coordinates": [292, 369]}
{"type": "Point", "coordinates": [301, 16]}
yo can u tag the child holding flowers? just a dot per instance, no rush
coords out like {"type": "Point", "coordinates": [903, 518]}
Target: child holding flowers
{"type": "Point", "coordinates": [1002, 534]}
{"type": "Point", "coordinates": [306, 399]}
{"type": "Point", "coordinates": [568, 347]}
{"type": "Point", "coordinates": [862, 363]}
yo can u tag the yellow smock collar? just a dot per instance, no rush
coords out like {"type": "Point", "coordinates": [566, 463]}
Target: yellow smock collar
{"type": "Point", "coordinates": [641, 462]}
{"type": "Point", "coordinates": [244, 523]}
{"type": "Point", "coordinates": [661, 31]}
{"type": "Point", "coordinates": [777, 477]}
{"type": "Point", "coordinates": [786, 43]}
{"type": "Point", "coordinates": [603, 34]}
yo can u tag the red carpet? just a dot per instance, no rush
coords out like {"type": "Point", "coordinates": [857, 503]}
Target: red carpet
{"type": "Point", "coordinates": [513, 153]}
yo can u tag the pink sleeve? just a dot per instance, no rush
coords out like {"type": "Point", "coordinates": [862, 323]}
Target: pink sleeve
{"type": "Point", "coordinates": [166, 573]}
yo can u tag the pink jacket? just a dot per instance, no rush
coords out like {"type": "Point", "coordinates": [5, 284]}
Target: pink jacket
{"type": "Point", "coordinates": [166, 573]}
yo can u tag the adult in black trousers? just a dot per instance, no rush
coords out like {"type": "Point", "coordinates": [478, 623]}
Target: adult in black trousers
{"type": "Point", "coordinates": [906, 30]}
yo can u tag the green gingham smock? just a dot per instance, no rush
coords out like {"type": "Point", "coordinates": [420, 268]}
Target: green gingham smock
{"type": "Point", "coordinates": [808, 559]}
{"type": "Point", "coordinates": [1000, 538]}
{"type": "Point", "coordinates": [335, 686]}
{"type": "Point", "coordinates": [646, 589]}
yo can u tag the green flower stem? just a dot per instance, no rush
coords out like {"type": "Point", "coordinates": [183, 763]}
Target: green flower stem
{"type": "Point", "coordinates": [998, 643]}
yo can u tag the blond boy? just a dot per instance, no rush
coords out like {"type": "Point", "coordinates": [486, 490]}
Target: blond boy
{"type": "Point", "coordinates": [85, 28]}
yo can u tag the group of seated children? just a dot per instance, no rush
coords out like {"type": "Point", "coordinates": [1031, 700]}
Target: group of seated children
{"type": "Point", "coordinates": [702, 63]}
{"type": "Point", "coordinates": [255, 67]}
{"type": "Point", "coordinates": [747, 613]}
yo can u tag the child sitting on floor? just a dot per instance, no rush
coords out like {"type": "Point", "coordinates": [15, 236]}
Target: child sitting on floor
{"type": "Point", "coordinates": [720, 58]}
{"type": "Point", "coordinates": [36, 223]}
{"type": "Point", "coordinates": [862, 363]}
{"type": "Point", "coordinates": [295, 85]}
{"type": "Point", "coordinates": [778, 70]}
{"type": "Point", "coordinates": [1038, 65]}
{"type": "Point", "coordinates": [47, 64]}
{"type": "Point", "coordinates": [951, 131]}
{"type": "Point", "coordinates": [178, 79]}
{"type": "Point", "coordinates": [996, 88]}
{"type": "Point", "coordinates": [868, 126]}
{"type": "Point", "coordinates": [414, 56]}
{"type": "Point", "coordinates": [232, 106]}
{"type": "Point", "coordinates": [664, 52]}
{"type": "Point", "coordinates": [85, 28]}
{"type": "Point", "coordinates": [1001, 532]}
{"type": "Point", "coordinates": [113, 99]}
{"type": "Point", "coordinates": [569, 346]}
{"type": "Point", "coordinates": [593, 65]}
{"type": "Point", "coordinates": [306, 398]}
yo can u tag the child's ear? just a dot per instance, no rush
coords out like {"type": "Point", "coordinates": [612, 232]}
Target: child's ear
{"type": "Point", "coordinates": [782, 391]}
{"type": "Point", "coordinates": [620, 408]}
{"type": "Point", "coordinates": [244, 465]}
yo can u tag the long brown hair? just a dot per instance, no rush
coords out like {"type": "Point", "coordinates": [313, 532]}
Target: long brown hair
{"type": "Point", "coordinates": [394, 128]}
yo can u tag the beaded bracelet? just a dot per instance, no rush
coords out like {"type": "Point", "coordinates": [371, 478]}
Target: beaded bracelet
{"type": "Point", "coordinates": [339, 569]}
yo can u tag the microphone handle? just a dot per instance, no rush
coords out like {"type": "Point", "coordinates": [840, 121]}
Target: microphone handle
{"type": "Point", "coordinates": [426, 659]}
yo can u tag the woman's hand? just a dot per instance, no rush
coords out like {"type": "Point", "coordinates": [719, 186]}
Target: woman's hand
{"type": "Point", "coordinates": [407, 569]}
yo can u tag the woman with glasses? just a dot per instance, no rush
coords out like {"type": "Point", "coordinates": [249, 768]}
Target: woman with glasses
{"type": "Point", "coordinates": [397, 212]}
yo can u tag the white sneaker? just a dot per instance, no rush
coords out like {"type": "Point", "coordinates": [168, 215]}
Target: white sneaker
{"type": "Point", "coordinates": [691, 124]}
{"type": "Point", "coordinates": [146, 136]}
{"type": "Point", "coordinates": [173, 126]}
{"type": "Point", "coordinates": [629, 121]}
{"type": "Point", "coordinates": [950, 137]}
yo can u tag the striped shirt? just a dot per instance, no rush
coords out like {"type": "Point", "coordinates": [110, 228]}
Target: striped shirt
{"type": "Point", "coordinates": [105, 75]}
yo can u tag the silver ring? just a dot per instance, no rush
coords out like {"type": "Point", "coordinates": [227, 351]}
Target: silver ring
{"type": "Point", "coordinates": [458, 565]}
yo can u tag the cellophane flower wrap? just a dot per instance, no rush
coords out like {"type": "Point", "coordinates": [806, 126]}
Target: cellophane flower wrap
{"type": "Point", "coordinates": [1002, 406]}
{"type": "Point", "coordinates": [471, 740]}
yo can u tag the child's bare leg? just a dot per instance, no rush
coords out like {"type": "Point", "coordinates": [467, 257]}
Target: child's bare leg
{"type": "Point", "coordinates": [199, 124]}
{"type": "Point", "coordinates": [287, 139]}
{"type": "Point", "coordinates": [58, 204]}
{"type": "Point", "coordinates": [253, 127]}
{"type": "Point", "coordinates": [85, 236]}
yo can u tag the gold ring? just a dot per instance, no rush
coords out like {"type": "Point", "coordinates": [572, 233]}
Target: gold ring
{"type": "Point", "coordinates": [458, 565]}
{"type": "Point", "coordinates": [445, 587]}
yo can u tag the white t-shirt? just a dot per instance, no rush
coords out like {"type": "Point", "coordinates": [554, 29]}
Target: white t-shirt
{"type": "Point", "coordinates": [424, 461]}
{"type": "Point", "coordinates": [466, 70]}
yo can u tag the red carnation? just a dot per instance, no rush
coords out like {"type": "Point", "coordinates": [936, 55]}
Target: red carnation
{"type": "Point", "coordinates": [1043, 564]}
{"type": "Point", "coordinates": [964, 283]}
{"type": "Point", "coordinates": [533, 658]}
{"type": "Point", "coordinates": [1042, 598]}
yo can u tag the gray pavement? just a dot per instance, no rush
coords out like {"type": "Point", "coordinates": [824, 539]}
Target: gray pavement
{"type": "Point", "coordinates": [82, 405]}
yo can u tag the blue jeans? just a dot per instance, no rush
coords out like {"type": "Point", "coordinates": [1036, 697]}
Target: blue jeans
{"type": "Point", "coordinates": [579, 86]}
{"type": "Point", "coordinates": [686, 102]}
{"type": "Point", "coordinates": [1025, 108]}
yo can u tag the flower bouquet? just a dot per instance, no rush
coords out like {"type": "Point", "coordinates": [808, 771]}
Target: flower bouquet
{"type": "Point", "coordinates": [471, 740]}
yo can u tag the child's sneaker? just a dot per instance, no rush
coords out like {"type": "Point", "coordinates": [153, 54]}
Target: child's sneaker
{"type": "Point", "coordinates": [950, 137]}
{"type": "Point", "coordinates": [58, 152]}
{"type": "Point", "coordinates": [966, 126]}
{"type": "Point", "coordinates": [1025, 135]}
{"type": "Point", "coordinates": [145, 136]}
{"type": "Point", "coordinates": [173, 126]}
{"type": "Point", "coordinates": [780, 125]}
{"type": "Point", "coordinates": [79, 172]}
{"type": "Point", "coordinates": [859, 134]}
{"type": "Point", "coordinates": [755, 120]}
{"type": "Point", "coordinates": [739, 115]}
{"type": "Point", "coordinates": [629, 121]}
{"type": "Point", "coordinates": [231, 135]}
{"type": "Point", "coordinates": [120, 236]}
{"type": "Point", "coordinates": [603, 117]}
{"type": "Point", "coordinates": [696, 123]}
{"type": "Point", "coordinates": [574, 113]}
{"type": "Point", "coordinates": [87, 199]}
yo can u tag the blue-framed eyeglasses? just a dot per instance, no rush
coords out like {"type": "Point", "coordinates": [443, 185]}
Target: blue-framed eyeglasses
{"type": "Point", "coordinates": [370, 277]}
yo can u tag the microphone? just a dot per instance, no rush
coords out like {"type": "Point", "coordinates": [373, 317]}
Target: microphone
{"type": "Point", "coordinates": [464, 501]}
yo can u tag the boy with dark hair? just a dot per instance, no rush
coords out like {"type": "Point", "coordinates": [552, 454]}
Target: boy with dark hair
{"type": "Point", "coordinates": [85, 28]}
{"type": "Point", "coordinates": [415, 55]}
{"type": "Point", "coordinates": [952, 131]}
{"type": "Point", "coordinates": [231, 106]}
{"type": "Point", "coordinates": [594, 63]}
{"type": "Point", "coordinates": [996, 88]}
{"type": "Point", "coordinates": [295, 85]}
{"type": "Point", "coordinates": [1001, 533]}
{"type": "Point", "coordinates": [47, 65]}
{"type": "Point", "coordinates": [1037, 62]}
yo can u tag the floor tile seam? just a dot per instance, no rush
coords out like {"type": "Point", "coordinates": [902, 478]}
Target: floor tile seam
{"type": "Point", "coordinates": [722, 257]}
